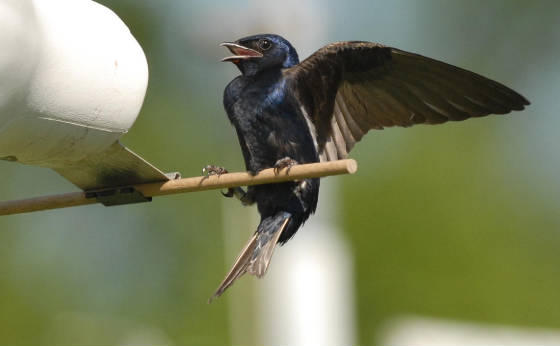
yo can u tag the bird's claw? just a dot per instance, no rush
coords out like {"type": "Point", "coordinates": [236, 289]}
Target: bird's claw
{"type": "Point", "coordinates": [230, 193]}
{"type": "Point", "coordinates": [285, 162]}
{"type": "Point", "coordinates": [209, 170]}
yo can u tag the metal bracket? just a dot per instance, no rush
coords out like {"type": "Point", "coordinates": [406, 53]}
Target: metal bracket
{"type": "Point", "coordinates": [173, 175]}
{"type": "Point", "coordinates": [118, 196]}
{"type": "Point", "coordinates": [124, 195]}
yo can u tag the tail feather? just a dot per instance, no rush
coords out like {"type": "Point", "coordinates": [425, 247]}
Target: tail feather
{"type": "Point", "coordinates": [265, 248]}
{"type": "Point", "coordinates": [239, 267]}
{"type": "Point", "coordinates": [255, 256]}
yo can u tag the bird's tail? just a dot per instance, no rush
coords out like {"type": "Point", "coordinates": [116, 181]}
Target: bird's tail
{"type": "Point", "coordinates": [256, 255]}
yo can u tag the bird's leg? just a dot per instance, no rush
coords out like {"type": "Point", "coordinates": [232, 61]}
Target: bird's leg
{"type": "Point", "coordinates": [286, 162]}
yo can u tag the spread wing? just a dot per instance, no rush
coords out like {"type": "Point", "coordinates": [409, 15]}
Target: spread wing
{"type": "Point", "coordinates": [348, 88]}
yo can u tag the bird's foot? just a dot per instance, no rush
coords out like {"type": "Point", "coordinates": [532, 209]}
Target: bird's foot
{"type": "Point", "coordinates": [242, 195]}
{"type": "Point", "coordinates": [238, 192]}
{"type": "Point", "coordinates": [209, 170]}
{"type": "Point", "coordinates": [286, 162]}
{"type": "Point", "coordinates": [229, 194]}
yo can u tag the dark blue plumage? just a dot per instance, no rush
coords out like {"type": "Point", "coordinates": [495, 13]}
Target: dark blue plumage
{"type": "Point", "coordinates": [270, 126]}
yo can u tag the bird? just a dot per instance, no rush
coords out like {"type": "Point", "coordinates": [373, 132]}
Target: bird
{"type": "Point", "coordinates": [287, 112]}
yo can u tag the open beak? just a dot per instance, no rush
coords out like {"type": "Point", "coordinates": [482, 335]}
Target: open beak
{"type": "Point", "coordinates": [239, 52]}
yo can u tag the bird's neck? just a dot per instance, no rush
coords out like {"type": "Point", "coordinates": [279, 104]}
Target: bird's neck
{"type": "Point", "coordinates": [271, 74]}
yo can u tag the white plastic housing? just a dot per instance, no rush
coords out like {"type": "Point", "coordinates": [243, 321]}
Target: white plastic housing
{"type": "Point", "coordinates": [72, 80]}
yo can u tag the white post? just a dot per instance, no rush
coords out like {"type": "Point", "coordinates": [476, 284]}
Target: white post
{"type": "Point", "coordinates": [308, 296]}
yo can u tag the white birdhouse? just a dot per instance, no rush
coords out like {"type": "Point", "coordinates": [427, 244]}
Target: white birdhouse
{"type": "Point", "coordinates": [72, 82]}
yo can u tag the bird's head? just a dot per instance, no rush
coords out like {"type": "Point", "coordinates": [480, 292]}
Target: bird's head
{"type": "Point", "coordinates": [258, 53]}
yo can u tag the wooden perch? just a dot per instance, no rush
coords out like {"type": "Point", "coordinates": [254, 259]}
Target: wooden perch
{"type": "Point", "coordinates": [267, 176]}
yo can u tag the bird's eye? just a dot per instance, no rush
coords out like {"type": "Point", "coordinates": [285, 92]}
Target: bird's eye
{"type": "Point", "coordinates": [265, 44]}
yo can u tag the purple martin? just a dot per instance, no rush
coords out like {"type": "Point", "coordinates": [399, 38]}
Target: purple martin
{"type": "Point", "coordinates": [286, 112]}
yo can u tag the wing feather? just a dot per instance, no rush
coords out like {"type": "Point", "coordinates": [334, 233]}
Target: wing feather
{"type": "Point", "coordinates": [349, 88]}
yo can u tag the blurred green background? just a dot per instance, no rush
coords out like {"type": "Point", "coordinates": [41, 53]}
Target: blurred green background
{"type": "Point", "coordinates": [457, 221]}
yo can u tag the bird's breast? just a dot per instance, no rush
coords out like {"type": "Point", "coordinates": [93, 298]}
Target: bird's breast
{"type": "Point", "coordinates": [270, 124]}
{"type": "Point", "coordinates": [285, 143]}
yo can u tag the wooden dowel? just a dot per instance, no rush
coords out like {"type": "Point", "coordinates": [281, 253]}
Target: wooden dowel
{"type": "Point", "coordinates": [72, 199]}
{"type": "Point", "coordinates": [297, 172]}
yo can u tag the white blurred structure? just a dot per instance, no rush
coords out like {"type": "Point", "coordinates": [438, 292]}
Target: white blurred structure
{"type": "Point", "coordinates": [308, 296]}
{"type": "Point", "coordinates": [72, 82]}
{"type": "Point", "coordinates": [417, 331]}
